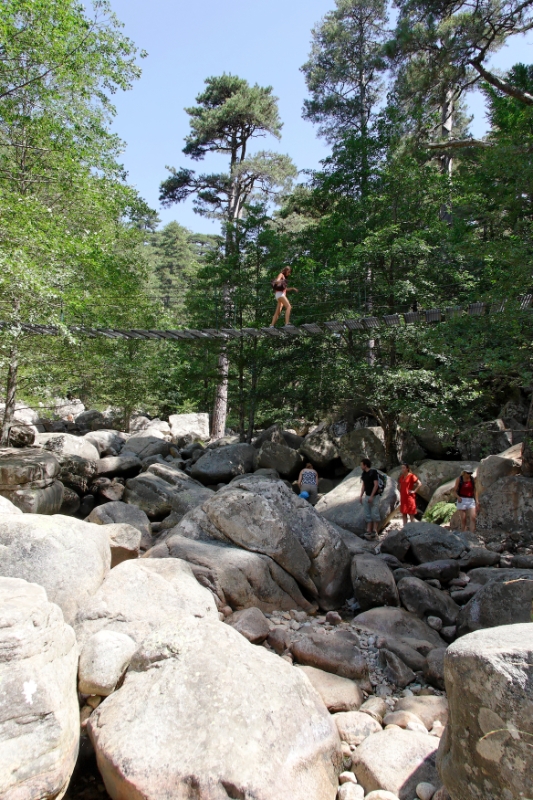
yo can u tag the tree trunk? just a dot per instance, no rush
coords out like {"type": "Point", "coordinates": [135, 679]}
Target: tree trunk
{"type": "Point", "coordinates": [527, 447]}
{"type": "Point", "coordinates": [253, 394]}
{"type": "Point", "coordinates": [11, 395]}
{"type": "Point", "coordinates": [446, 159]}
{"type": "Point", "coordinates": [220, 408]}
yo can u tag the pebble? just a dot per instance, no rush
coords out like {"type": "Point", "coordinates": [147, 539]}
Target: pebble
{"type": "Point", "coordinates": [94, 701]}
{"type": "Point", "coordinates": [435, 623]}
{"type": "Point", "coordinates": [425, 791]}
{"type": "Point", "coordinates": [333, 618]}
{"type": "Point", "coordinates": [347, 777]}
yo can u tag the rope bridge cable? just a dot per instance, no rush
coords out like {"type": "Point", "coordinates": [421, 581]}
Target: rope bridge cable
{"type": "Point", "coordinates": [361, 324]}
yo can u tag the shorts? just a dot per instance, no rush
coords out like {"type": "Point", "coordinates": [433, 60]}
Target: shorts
{"type": "Point", "coordinates": [371, 510]}
{"type": "Point", "coordinates": [311, 489]}
{"type": "Point", "coordinates": [279, 295]}
{"type": "Point", "coordinates": [464, 503]}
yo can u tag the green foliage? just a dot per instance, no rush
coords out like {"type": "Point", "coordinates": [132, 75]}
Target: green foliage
{"type": "Point", "coordinates": [440, 513]}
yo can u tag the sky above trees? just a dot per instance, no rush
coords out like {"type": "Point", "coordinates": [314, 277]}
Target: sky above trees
{"type": "Point", "coordinates": [264, 41]}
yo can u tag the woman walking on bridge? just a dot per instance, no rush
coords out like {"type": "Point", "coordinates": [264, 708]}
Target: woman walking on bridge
{"type": "Point", "coordinates": [279, 285]}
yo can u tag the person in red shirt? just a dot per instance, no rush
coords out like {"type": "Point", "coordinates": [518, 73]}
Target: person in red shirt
{"type": "Point", "coordinates": [408, 483]}
{"type": "Point", "coordinates": [466, 492]}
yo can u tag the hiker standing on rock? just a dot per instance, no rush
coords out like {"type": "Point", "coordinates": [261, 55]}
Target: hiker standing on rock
{"type": "Point", "coordinates": [280, 287]}
{"type": "Point", "coordinates": [370, 498]}
{"type": "Point", "coordinates": [467, 504]}
{"type": "Point", "coordinates": [408, 484]}
{"type": "Point", "coordinates": [308, 482]}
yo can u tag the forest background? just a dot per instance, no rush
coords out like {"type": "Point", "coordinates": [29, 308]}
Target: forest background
{"type": "Point", "coordinates": [407, 212]}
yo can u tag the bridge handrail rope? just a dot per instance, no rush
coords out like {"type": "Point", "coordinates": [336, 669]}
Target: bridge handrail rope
{"type": "Point", "coordinates": [370, 323]}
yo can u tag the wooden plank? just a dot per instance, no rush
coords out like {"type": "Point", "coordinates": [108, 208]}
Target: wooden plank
{"type": "Point", "coordinates": [354, 325]}
{"type": "Point", "coordinates": [433, 315]}
{"type": "Point", "coordinates": [391, 320]}
{"type": "Point", "coordinates": [311, 327]}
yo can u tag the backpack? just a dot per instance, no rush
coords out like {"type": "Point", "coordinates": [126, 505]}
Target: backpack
{"type": "Point", "coordinates": [278, 286]}
{"type": "Point", "coordinates": [382, 482]}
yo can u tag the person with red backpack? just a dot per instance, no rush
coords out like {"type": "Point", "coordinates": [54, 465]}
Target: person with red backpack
{"type": "Point", "coordinates": [280, 288]}
{"type": "Point", "coordinates": [466, 492]}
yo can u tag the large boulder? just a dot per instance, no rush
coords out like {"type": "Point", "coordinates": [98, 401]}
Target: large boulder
{"type": "Point", "coordinates": [65, 444]}
{"type": "Point", "coordinates": [508, 504]}
{"type": "Point", "coordinates": [7, 507]}
{"type": "Point", "coordinates": [433, 474]}
{"type": "Point", "coordinates": [237, 578]}
{"type": "Point", "coordinates": [373, 582]}
{"type": "Point", "coordinates": [333, 651]}
{"type": "Point", "coordinates": [119, 465]}
{"type": "Point", "coordinates": [39, 709]}
{"type": "Point", "coordinates": [320, 447]}
{"type": "Point", "coordinates": [339, 694]}
{"type": "Point", "coordinates": [116, 512]}
{"type": "Point", "coordinates": [485, 439]}
{"type": "Point", "coordinates": [494, 467]}
{"type": "Point", "coordinates": [139, 597]}
{"type": "Point", "coordinates": [425, 601]}
{"type": "Point", "coordinates": [342, 507]}
{"type": "Point", "coordinates": [69, 558]}
{"type": "Point", "coordinates": [435, 443]}
{"type": "Point", "coordinates": [92, 420]}
{"type": "Point", "coordinates": [286, 461]}
{"type": "Point", "coordinates": [147, 443]}
{"type": "Point", "coordinates": [430, 542]}
{"type": "Point", "coordinates": [264, 516]}
{"type": "Point", "coordinates": [189, 427]}
{"type": "Point", "coordinates": [363, 443]}
{"type": "Point", "coordinates": [201, 707]}
{"type": "Point", "coordinates": [107, 440]}
{"type": "Point", "coordinates": [396, 761]}
{"type": "Point", "coordinates": [125, 542]}
{"type": "Point", "coordinates": [498, 602]}
{"type": "Point", "coordinates": [163, 490]}
{"type": "Point", "coordinates": [221, 464]}
{"type": "Point", "coordinates": [486, 748]}
{"type": "Point", "coordinates": [399, 623]}
{"type": "Point", "coordinates": [28, 479]}
{"type": "Point", "coordinates": [77, 472]}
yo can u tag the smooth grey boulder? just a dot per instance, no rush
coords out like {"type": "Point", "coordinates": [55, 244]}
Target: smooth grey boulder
{"type": "Point", "coordinates": [121, 513]}
{"type": "Point", "coordinates": [443, 570]}
{"type": "Point", "coordinates": [373, 582]}
{"type": "Point", "coordinates": [271, 434]}
{"type": "Point", "coordinates": [494, 467]}
{"type": "Point", "coordinates": [118, 465]}
{"type": "Point", "coordinates": [66, 556]}
{"type": "Point", "coordinates": [425, 601]}
{"type": "Point", "coordinates": [486, 439]}
{"type": "Point", "coordinates": [342, 507]}
{"type": "Point", "coordinates": [405, 650]}
{"type": "Point", "coordinates": [485, 751]}
{"type": "Point", "coordinates": [201, 707]}
{"type": "Point", "coordinates": [483, 575]}
{"type": "Point", "coordinates": [497, 603]}
{"type": "Point", "coordinates": [286, 461]}
{"type": "Point", "coordinates": [141, 596]}
{"type": "Point", "coordinates": [144, 444]}
{"type": "Point", "coordinates": [265, 516]}
{"type": "Point", "coordinates": [92, 420]}
{"type": "Point", "coordinates": [221, 464]}
{"type": "Point", "coordinates": [163, 490]}
{"type": "Point", "coordinates": [400, 623]}
{"type": "Point", "coordinates": [396, 544]}
{"type": "Point", "coordinates": [430, 542]}
{"type": "Point", "coordinates": [39, 708]}
{"type": "Point", "coordinates": [320, 446]}
{"type": "Point", "coordinates": [428, 708]}
{"type": "Point", "coordinates": [237, 578]}
{"type": "Point", "coordinates": [433, 474]}
{"type": "Point", "coordinates": [107, 439]}
{"type": "Point", "coordinates": [508, 504]}
{"type": "Point", "coordinates": [104, 658]}
{"type": "Point", "coordinates": [396, 761]}
{"type": "Point", "coordinates": [434, 672]}
{"type": "Point", "coordinates": [77, 472]}
{"type": "Point", "coordinates": [65, 444]}
{"type": "Point", "coordinates": [363, 443]}
{"type": "Point", "coordinates": [396, 670]}
{"type": "Point", "coordinates": [336, 651]}
{"type": "Point", "coordinates": [355, 726]}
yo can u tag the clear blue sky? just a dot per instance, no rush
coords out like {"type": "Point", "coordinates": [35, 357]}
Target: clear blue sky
{"type": "Point", "coordinates": [264, 41]}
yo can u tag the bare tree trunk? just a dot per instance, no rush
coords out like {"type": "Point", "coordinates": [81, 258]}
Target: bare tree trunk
{"type": "Point", "coordinates": [220, 408]}
{"type": "Point", "coordinates": [11, 395]}
{"type": "Point", "coordinates": [446, 159]}
{"type": "Point", "coordinates": [527, 447]}
{"type": "Point", "coordinates": [371, 343]}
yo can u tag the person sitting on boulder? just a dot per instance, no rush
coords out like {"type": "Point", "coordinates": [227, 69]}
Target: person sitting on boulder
{"type": "Point", "coordinates": [408, 484]}
{"type": "Point", "coordinates": [370, 499]}
{"type": "Point", "coordinates": [466, 492]}
{"type": "Point", "coordinates": [308, 483]}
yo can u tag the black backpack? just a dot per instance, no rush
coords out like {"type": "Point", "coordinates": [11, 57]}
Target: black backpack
{"type": "Point", "coordinates": [382, 483]}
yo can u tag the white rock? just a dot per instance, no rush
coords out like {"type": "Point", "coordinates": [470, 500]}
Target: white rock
{"type": "Point", "coordinates": [69, 558]}
{"type": "Point", "coordinates": [39, 710]}
{"type": "Point", "coordinates": [350, 791]}
{"type": "Point", "coordinates": [425, 791]}
{"type": "Point", "coordinates": [347, 777]}
{"type": "Point", "coordinates": [195, 426]}
{"type": "Point", "coordinates": [381, 794]}
{"type": "Point", "coordinates": [103, 660]}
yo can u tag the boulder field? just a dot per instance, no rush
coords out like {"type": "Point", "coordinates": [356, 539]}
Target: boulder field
{"type": "Point", "coordinates": [202, 631]}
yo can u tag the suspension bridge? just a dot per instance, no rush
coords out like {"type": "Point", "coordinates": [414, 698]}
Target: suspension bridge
{"type": "Point", "coordinates": [369, 324]}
